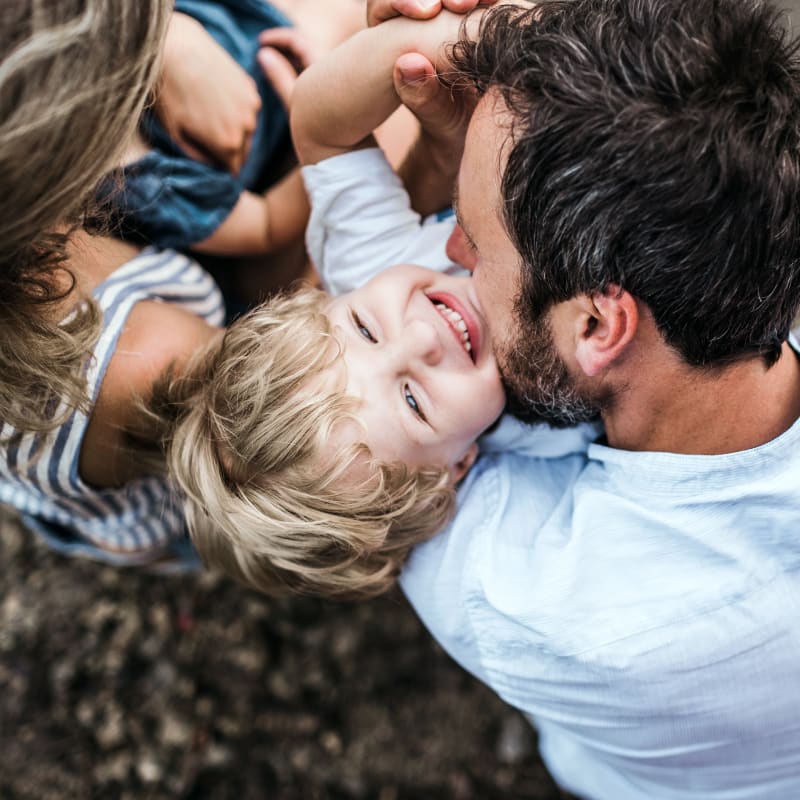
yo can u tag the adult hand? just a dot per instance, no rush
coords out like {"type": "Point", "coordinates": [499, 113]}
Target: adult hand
{"type": "Point", "coordinates": [284, 54]}
{"type": "Point", "coordinates": [208, 104]}
{"type": "Point", "coordinates": [380, 10]}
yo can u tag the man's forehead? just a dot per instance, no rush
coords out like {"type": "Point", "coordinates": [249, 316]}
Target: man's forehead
{"type": "Point", "coordinates": [486, 149]}
{"type": "Point", "coordinates": [487, 146]}
{"type": "Point", "coordinates": [492, 123]}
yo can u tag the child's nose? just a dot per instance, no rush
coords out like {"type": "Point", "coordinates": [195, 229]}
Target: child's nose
{"type": "Point", "coordinates": [423, 342]}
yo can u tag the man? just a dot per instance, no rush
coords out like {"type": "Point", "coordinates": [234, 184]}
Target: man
{"type": "Point", "coordinates": [628, 200]}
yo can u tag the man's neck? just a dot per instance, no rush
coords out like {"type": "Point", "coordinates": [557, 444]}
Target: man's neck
{"type": "Point", "coordinates": [669, 407]}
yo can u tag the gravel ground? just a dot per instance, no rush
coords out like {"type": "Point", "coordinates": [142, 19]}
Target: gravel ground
{"type": "Point", "coordinates": [118, 684]}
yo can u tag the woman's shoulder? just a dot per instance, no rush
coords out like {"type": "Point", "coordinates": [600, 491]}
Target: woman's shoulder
{"type": "Point", "coordinates": [156, 336]}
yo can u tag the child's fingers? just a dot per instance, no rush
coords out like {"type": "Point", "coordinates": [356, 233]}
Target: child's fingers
{"type": "Point", "coordinates": [292, 43]}
{"type": "Point", "coordinates": [279, 71]}
{"type": "Point", "coordinates": [380, 10]}
{"type": "Point", "coordinates": [462, 6]}
{"type": "Point", "coordinates": [442, 112]}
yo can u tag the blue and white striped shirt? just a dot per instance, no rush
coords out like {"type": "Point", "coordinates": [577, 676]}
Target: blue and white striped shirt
{"type": "Point", "coordinates": [39, 475]}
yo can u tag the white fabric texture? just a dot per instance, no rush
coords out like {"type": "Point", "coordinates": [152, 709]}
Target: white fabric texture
{"type": "Point", "coordinates": [362, 221]}
{"type": "Point", "coordinates": [641, 607]}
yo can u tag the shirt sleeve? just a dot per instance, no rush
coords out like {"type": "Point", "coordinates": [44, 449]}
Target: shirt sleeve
{"type": "Point", "coordinates": [170, 201]}
{"type": "Point", "coordinates": [362, 222]}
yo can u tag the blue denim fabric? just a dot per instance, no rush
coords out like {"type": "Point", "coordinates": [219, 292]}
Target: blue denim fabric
{"type": "Point", "coordinates": [169, 199]}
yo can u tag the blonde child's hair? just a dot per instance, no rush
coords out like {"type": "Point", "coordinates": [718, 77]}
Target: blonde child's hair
{"type": "Point", "coordinates": [267, 502]}
{"type": "Point", "coordinates": [74, 77]}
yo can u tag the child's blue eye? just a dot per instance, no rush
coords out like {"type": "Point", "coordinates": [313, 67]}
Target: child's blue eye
{"type": "Point", "coordinates": [363, 329]}
{"type": "Point", "coordinates": [412, 403]}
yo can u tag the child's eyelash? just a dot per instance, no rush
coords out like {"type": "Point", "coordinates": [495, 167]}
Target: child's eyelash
{"type": "Point", "coordinates": [412, 403]}
{"type": "Point", "coordinates": [362, 328]}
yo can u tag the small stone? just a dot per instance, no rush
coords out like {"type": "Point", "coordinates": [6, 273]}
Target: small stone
{"type": "Point", "coordinates": [250, 659]}
{"type": "Point", "coordinates": [149, 770]}
{"type": "Point", "coordinates": [111, 731]}
{"type": "Point", "coordinates": [331, 742]}
{"type": "Point", "coordinates": [85, 712]}
{"type": "Point", "coordinates": [175, 731]}
{"type": "Point", "coordinates": [217, 755]}
{"type": "Point", "coordinates": [281, 687]}
{"type": "Point", "coordinates": [113, 769]}
{"type": "Point", "coordinates": [515, 743]}
{"type": "Point", "coordinates": [301, 759]}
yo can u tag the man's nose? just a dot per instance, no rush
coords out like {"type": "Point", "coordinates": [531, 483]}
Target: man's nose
{"type": "Point", "coordinates": [459, 251]}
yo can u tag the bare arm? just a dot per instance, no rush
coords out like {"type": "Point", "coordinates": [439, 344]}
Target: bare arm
{"type": "Point", "coordinates": [262, 223]}
{"type": "Point", "coordinates": [205, 100]}
{"type": "Point", "coordinates": [156, 335]}
{"type": "Point", "coordinates": [342, 98]}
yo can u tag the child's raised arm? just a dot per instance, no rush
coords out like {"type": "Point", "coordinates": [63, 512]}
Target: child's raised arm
{"type": "Point", "coordinates": [343, 97]}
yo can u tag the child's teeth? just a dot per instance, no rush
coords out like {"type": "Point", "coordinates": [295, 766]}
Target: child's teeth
{"type": "Point", "coordinates": [457, 322]}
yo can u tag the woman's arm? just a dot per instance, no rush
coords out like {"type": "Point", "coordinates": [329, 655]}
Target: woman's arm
{"type": "Point", "coordinates": [205, 100]}
{"type": "Point", "coordinates": [156, 336]}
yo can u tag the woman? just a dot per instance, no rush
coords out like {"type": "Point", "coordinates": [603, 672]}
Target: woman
{"type": "Point", "coordinates": [74, 78]}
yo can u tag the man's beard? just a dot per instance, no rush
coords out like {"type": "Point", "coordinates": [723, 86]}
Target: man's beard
{"type": "Point", "coordinates": [539, 387]}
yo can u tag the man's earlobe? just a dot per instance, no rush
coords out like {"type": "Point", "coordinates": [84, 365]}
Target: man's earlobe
{"type": "Point", "coordinates": [611, 321]}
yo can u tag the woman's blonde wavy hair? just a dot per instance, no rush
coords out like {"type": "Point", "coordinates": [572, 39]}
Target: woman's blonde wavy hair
{"type": "Point", "coordinates": [267, 501]}
{"type": "Point", "coordinates": [74, 77]}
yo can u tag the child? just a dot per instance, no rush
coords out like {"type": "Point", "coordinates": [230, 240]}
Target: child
{"type": "Point", "coordinates": [323, 438]}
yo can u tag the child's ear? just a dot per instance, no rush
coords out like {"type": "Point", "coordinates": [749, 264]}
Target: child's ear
{"type": "Point", "coordinates": [463, 465]}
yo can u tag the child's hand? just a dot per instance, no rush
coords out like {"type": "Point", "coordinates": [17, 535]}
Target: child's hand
{"type": "Point", "coordinates": [443, 111]}
{"type": "Point", "coordinates": [380, 10]}
{"type": "Point", "coordinates": [431, 166]}
{"type": "Point", "coordinates": [284, 54]}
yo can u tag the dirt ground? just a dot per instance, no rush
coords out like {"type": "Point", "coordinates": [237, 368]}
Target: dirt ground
{"type": "Point", "coordinates": [119, 684]}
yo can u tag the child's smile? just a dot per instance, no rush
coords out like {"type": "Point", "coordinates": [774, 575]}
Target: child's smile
{"type": "Point", "coordinates": [417, 356]}
{"type": "Point", "coordinates": [465, 330]}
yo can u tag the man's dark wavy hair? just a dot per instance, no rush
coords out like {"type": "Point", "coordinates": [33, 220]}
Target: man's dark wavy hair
{"type": "Point", "coordinates": [655, 145]}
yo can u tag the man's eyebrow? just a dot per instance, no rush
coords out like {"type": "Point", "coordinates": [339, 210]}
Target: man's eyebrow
{"type": "Point", "coordinates": [456, 207]}
{"type": "Point", "coordinates": [460, 219]}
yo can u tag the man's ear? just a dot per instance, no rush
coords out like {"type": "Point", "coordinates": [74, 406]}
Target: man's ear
{"type": "Point", "coordinates": [464, 464]}
{"type": "Point", "coordinates": [609, 322]}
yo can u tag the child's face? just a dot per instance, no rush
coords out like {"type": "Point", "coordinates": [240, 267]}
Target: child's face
{"type": "Point", "coordinates": [418, 357]}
